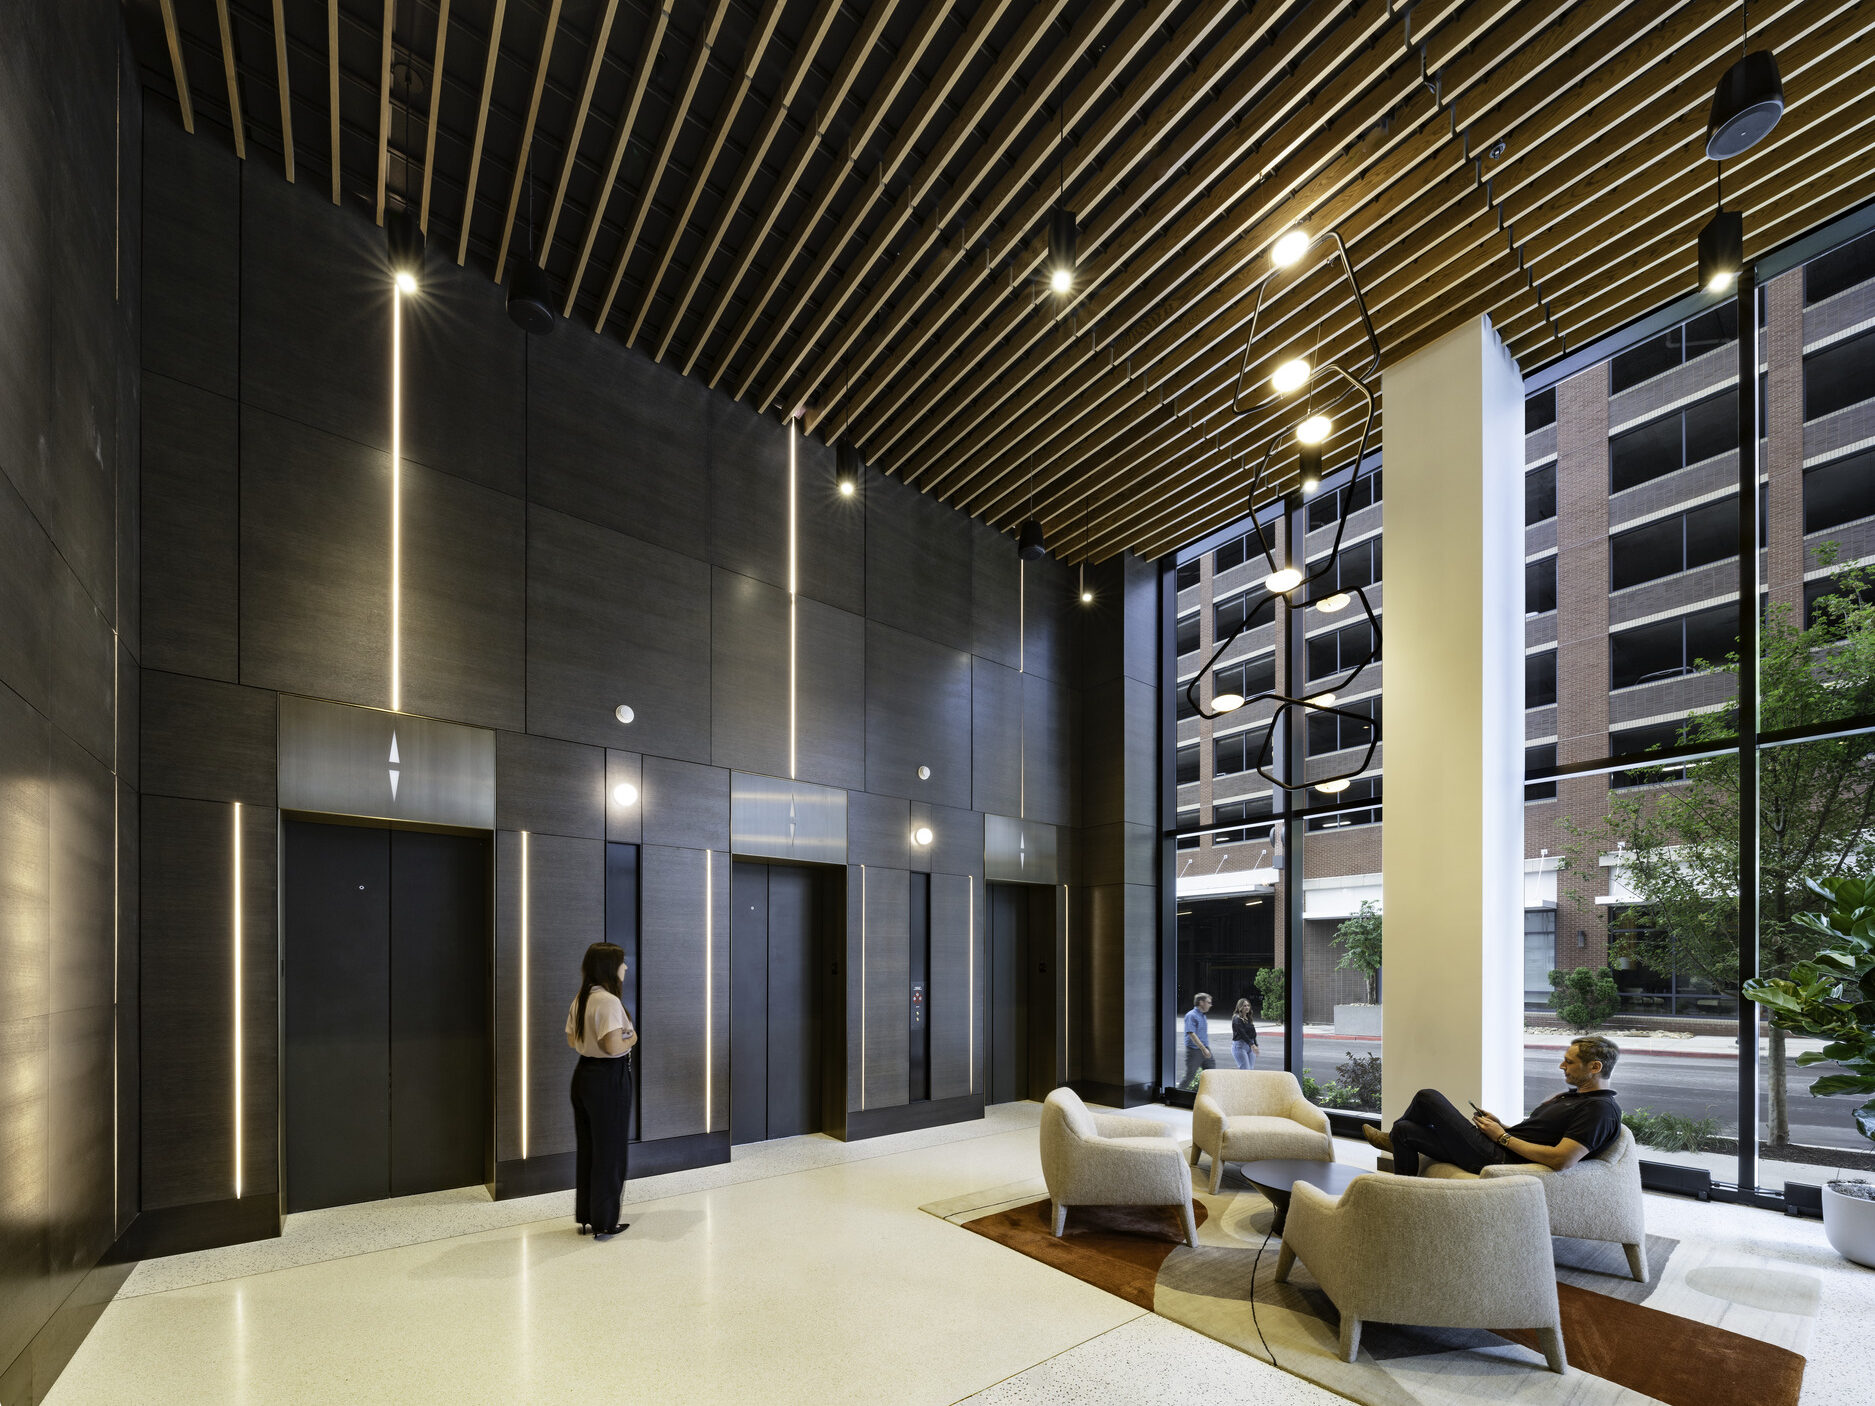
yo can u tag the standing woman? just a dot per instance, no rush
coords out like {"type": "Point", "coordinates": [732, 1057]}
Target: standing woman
{"type": "Point", "coordinates": [1243, 1035]}
{"type": "Point", "coordinates": [597, 1026]}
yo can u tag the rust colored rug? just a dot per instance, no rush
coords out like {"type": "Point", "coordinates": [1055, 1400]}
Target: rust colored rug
{"type": "Point", "coordinates": [1704, 1331]}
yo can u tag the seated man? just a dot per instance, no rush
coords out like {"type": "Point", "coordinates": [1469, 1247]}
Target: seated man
{"type": "Point", "coordinates": [1559, 1132]}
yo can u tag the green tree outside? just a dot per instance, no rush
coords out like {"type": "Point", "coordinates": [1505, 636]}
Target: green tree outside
{"type": "Point", "coordinates": [1359, 941]}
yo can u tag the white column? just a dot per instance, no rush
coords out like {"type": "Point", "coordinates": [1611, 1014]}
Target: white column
{"type": "Point", "coordinates": [1453, 652]}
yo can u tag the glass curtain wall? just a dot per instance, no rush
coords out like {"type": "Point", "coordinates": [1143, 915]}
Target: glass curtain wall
{"type": "Point", "coordinates": [1632, 925]}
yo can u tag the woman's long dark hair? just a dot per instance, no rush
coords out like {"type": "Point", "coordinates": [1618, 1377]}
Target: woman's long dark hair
{"type": "Point", "coordinates": [599, 967]}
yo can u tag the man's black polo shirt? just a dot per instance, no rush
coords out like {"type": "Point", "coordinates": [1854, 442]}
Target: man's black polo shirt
{"type": "Point", "coordinates": [1590, 1118]}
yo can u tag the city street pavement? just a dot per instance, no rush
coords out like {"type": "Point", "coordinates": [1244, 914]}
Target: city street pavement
{"type": "Point", "coordinates": [1694, 1078]}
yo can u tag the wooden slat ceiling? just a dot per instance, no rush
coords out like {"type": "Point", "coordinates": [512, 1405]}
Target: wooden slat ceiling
{"type": "Point", "coordinates": [839, 209]}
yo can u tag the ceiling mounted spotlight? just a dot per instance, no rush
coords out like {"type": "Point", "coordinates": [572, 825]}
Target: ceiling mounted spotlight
{"type": "Point", "coordinates": [922, 835]}
{"type": "Point", "coordinates": [1226, 702]}
{"type": "Point", "coordinates": [846, 468]}
{"type": "Point", "coordinates": [1291, 376]}
{"type": "Point", "coordinates": [1289, 247]}
{"type": "Point", "coordinates": [1313, 431]}
{"type": "Point", "coordinates": [1722, 251]}
{"type": "Point", "coordinates": [624, 713]}
{"type": "Point", "coordinates": [625, 793]}
{"type": "Point", "coordinates": [1280, 582]}
{"type": "Point", "coordinates": [404, 237]}
{"type": "Point", "coordinates": [1747, 102]}
{"type": "Point", "coordinates": [1338, 601]}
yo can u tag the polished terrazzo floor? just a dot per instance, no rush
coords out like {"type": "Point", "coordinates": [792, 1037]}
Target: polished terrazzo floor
{"type": "Point", "coordinates": [803, 1271]}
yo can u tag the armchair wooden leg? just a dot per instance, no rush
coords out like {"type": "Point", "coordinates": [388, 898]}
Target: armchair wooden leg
{"type": "Point", "coordinates": [1192, 1153]}
{"type": "Point", "coordinates": [1284, 1260]}
{"type": "Point", "coordinates": [1217, 1174]}
{"type": "Point", "coordinates": [1350, 1336]}
{"type": "Point", "coordinates": [1190, 1218]}
{"type": "Point", "coordinates": [1637, 1261]}
{"type": "Point", "coordinates": [1060, 1218]}
{"type": "Point", "coordinates": [1549, 1340]}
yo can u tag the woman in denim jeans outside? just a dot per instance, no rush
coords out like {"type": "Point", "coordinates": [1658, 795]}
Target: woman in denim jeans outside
{"type": "Point", "coordinates": [1243, 1035]}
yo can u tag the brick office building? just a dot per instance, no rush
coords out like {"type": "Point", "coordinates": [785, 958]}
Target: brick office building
{"type": "Point", "coordinates": [1630, 578]}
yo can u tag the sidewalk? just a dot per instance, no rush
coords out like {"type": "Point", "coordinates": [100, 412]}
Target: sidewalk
{"type": "Point", "coordinates": [1270, 1034]}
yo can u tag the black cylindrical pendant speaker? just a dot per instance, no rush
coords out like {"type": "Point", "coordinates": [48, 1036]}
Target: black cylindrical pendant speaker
{"type": "Point", "coordinates": [530, 299]}
{"type": "Point", "coordinates": [1745, 106]}
{"type": "Point", "coordinates": [1030, 546]}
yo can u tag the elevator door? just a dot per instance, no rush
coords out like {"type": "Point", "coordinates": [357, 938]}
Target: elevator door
{"type": "Point", "coordinates": [776, 1024]}
{"type": "Point", "coordinates": [385, 1013]}
{"type": "Point", "coordinates": [1022, 1005]}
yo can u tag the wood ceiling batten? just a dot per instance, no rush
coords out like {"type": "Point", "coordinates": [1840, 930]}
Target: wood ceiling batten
{"type": "Point", "coordinates": [826, 11]}
{"type": "Point", "coordinates": [527, 136]}
{"type": "Point", "coordinates": [752, 53]}
{"type": "Point", "coordinates": [1082, 159]}
{"type": "Point", "coordinates": [384, 104]}
{"type": "Point", "coordinates": [332, 94]}
{"type": "Point", "coordinates": [950, 210]}
{"type": "Point", "coordinates": [436, 101]}
{"type": "Point", "coordinates": [177, 67]}
{"type": "Point", "coordinates": [595, 60]}
{"type": "Point", "coordinates": [481, 130]}
{"type": "Point", "coordinates": [884, 94]}
{"type": "Point", "coordinates": [673, 128]}
{"type": "Point", "coordinates": [284, 79]}
{"type": "Point", "coordinates": [234, 82]}
{"type": "Point", "coordinates": [784, 188]}
{"type": "Point", "coordinates": [878, 247]}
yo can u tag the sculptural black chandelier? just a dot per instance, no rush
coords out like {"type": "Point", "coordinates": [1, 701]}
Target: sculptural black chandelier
{"type": "Point", "coordinates": [1294, 587]}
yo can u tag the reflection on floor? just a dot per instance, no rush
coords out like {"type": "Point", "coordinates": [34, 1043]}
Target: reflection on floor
{"type": "Point", "coordinates": [802, 1271]}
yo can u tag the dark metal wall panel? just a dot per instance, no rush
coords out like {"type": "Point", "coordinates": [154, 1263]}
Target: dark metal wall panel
{"type": "Point", "coordinates": [82, 853]}
{"type": "Point", "coordinates": [748, 477]}
{"type": "Point", "coordinates": [610, 620]}
{"type": "Point", "coordinates": [830, 701]}
{"type": "Point", "coordinates": [190, 529]}
{"type": "Point", "coordinates": [749, 674]}
{"type": "Point", "coordinates": [878, 830]}
{"type": "Point", "coordinates": [463, 600]}
{"type": "Point", "coordinates": [26, 571]}
{"type": "Point", "coordinates": [1119, 853]}
{"type": "Point", "coordinates": [957, 840]}
{"type": "Point", "coordinates": [565, 915]}
{"type": "Point", "coordinates": [886, 983]}
{"type": "Point", "coordinates": [619, 440]}
{"type": "Point", "coordinates": [465, 376]}
{"type": "Point", "coordinates": [918, 571]}
{"type": "Point", "coordinates": [208, 741]}
{"type": "Point", "coordinates": [830, 558]}
{"type": "Point", "coordinates": [852, 985]}
{"type": "Point", "coordinates": [1051, 724]}
{"type": "Point", "coordinates": [191, 258]}
{"type": "Point", "coordinates": [315, 565]}
{"type": "Point", "coordinates": [1051, 609]}
{"type": "Point", "coordinates": [186, 981]}
{"type": "Point", "coordinates": [686, 805]}
{"type": "Point", "coordinates": [678, 929]}
{"type": "Point", "coordinates": [952, 1032]}
{"type": "Point", "coordinates": [917, 714]}
{"type": "Point", "coordinates": [995, 737]}
{"type": "Point", "coordinates": [549, 786]}
{"type": "Point", "coordinates": [995, 596]}
{"type": "Point", "coordinates": [84, 659]}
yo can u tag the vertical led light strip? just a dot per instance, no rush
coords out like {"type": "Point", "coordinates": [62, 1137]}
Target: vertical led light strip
{"type": "Point", "coordinates": [862, 986]}
{"type": "Point", "coordinates": [1022, 667]}
{"type": "Point", "coordinates": [1067, 953]}
{"type": "Point", "coordinates": [524, 858]}
{"type": "Point", "coordinates": [235, 906]}
{"type": "Point", "coordinates": [397, 496]}
{"type": "Point", "coordinates": [116, 938]}
{"type": "Point", "coordinates": [972, 1002]}
{"type": "Point", "coordinates": [709, 982]}
{"type": "Point", "coordinates": [793, 587]}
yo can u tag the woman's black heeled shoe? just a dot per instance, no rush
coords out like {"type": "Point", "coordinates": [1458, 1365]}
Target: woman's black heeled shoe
{"type": "Point", "coordinates": [584, 1229]}
{"type": "Point", "coordinates": [615, 1230]}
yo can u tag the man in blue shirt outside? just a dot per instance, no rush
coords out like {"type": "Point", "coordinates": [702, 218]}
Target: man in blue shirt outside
{"type": "Point", "coordinates": [1197, 1041]}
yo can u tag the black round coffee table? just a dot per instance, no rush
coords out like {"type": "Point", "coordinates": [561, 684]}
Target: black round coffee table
{"type": "Point", "coordinates": [1275, 1177]}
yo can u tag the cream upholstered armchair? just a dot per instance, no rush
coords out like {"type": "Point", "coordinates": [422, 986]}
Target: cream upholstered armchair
{"type": "Point", "coordinates": [1247, 1115]}
{"type": "Point", "coordinates": [1597, 1199]}
{"type": "Point", "coordinates": [1442, 1254]}
{"type": "Point", "coordinates": [1102, 1159]}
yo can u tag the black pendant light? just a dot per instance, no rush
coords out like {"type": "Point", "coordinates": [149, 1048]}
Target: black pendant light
{"type": "Point", "coordinates": [403, 235]}
{"type": "Point", "coordinates": [1722, 250]}
{"type": "Point", "coordinates": [1030, 545]}
{"type": "Point", "coordinates": [530, 300]}
{"type": "Point", "coordinates": [1062, 228]}
{"type": "Point", "coordinates": [1746, 105]}
{"type": "Point", "coordinates": [1087, 538]}
{"type": "Point", "coordinates": [845, 456]}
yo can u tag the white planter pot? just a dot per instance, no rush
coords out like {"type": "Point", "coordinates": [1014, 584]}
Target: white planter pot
{"type": "Point", "coordinates": [1357, 1020]}
{"type": "Point", "coordinates": [1849, 1222]}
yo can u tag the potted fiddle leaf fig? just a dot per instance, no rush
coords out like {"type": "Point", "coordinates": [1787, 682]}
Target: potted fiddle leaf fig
{"type": "Point", "coordinates": [1832, 998]}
